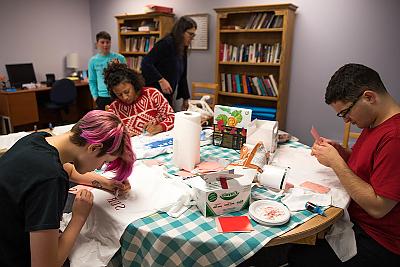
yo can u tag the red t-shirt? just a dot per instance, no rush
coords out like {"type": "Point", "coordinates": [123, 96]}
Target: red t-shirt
{"type": "Point", "coordinates": [376, 160]}
{"type": "Point", "coordinates": [151, 105]}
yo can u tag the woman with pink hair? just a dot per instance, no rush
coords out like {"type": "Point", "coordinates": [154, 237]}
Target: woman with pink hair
{"type": "Point", "coordinates": [34, 181]}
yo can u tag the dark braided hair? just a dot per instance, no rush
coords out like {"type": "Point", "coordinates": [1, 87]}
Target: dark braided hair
{"type": "Point", "coordinates": [117, 73]}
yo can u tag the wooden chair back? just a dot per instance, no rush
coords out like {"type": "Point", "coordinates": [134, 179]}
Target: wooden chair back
{"type": "Point", "coordinates": [347, 134]}
{"type": "Point", "coordinates": [200, 89]}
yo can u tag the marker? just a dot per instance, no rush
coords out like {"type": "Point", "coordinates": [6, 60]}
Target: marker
{"type": "Point", "coordinates": [314, 208]}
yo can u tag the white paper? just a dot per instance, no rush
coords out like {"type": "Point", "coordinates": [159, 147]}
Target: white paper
{"type": "Point", "coordinates": [186, 143]}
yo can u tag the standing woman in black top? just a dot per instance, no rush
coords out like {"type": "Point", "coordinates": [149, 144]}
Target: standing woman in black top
{"type": "Point", "coordinates": [165, 66]}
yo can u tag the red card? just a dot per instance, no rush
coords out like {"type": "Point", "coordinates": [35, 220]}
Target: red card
{"type": "Point", "coordinates": [315, 187]}
{"type": "Point", "coordinates": [315, 133]}
{"type": "Point", "coordinates": [233, 224]}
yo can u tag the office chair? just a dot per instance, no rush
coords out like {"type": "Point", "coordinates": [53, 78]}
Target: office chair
{"type": "Point", "coordinates": [62, 95]}
{"type": "Point", "coordinates": [347, 134]}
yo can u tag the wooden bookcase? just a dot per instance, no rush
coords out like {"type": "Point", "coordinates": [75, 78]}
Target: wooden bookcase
{"type": "Point", "coordinates": [134, 44]}
{"type": "Point", "coordinates": [249, 29]}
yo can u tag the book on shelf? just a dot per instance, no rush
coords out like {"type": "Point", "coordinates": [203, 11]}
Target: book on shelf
{"type": "Point", "coordinates": [134, 62]}
{"type": "Point", "coordinates": [229, 80]}
{"type": "Point", "coordinates": [249, 84]}
{"type": "Point", "coordinates": [268, 86]}
{"type": "Point", "coordinates": [256, 86]}
{"type": "Point", "coordinates": [244, 84]}
{"type": "Point", "coordinates": [125, 29]}
{"type": "Point", "coordinates": [249, 89]}
{"type": "Point", "coordinates": [274, 84]}
{"type": "Point", "coordinates": [250, 21]}
{"type": "Point", "coordinates": [264, 20]}
{"type": "Point", "coordinates": [238, 84]}
{"type": "Point", "coordinates": [223, 84]}
{"type": "Point", "coordinates": [231, 27]}
{"type": "Point", "coordinates": [158, 9]}
{"type": "Point", "coordinates": [146, 28]}
{"type": "Point", "coordinates": [234, 86]}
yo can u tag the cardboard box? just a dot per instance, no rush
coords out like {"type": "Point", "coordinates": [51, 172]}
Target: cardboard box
{"type": "Point", "coordinates": [264, 131]}
{"type": "Point", "coordinates": [212, 199]}
{"type": "Point", "coordinates": [230, 126]}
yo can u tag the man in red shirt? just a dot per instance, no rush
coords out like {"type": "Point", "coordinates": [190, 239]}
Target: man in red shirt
{"type": "Point", "coordinates": [370, 171]}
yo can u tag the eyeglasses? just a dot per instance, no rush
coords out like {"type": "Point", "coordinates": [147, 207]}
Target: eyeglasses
{"type": "Point", "coordinates": [191, 34]}
{"type": "Point", "coordinates": [343, 113]}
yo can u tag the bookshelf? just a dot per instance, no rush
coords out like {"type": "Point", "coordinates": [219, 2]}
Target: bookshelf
{"type": "Point", "coordinates": [253, 55]}
{"type": "Point", "coordinates": [137, 33]}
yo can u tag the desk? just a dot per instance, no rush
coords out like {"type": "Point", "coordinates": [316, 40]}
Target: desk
{"type": "Point", "coordinates": [22, 107]}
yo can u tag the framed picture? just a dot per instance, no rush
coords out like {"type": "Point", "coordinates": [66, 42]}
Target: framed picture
{"type": "Point", "coordinates": [200, 41]}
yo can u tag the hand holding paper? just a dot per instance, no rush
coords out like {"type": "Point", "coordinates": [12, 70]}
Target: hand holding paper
{"type": "Point", "coordinates": [315, 134]}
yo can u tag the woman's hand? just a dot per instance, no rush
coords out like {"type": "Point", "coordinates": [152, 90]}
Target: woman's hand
{"type": "Point", "coordinates": [165, 86]}
{"type": "Point", "coordinates": [185, 104]}
{"type": "Point", "coordinates": [153, 128]}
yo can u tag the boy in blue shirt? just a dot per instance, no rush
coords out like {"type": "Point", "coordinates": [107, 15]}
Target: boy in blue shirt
{"type": "Point", "coordinates": [97, 64]}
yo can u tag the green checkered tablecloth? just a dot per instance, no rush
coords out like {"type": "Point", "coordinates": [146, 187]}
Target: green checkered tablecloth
{"type": "Point", "coordinates": [192, 239]}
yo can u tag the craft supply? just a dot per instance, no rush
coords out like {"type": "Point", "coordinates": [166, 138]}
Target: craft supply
{"type": "Point", "coordinates": [314, 208]}
{"type": "Point", "coordinates": [315, 133]}
{"type": "Point", "coordinates": [273, 177]}
{"type": "Point", "coordinates": [233, 224]}
{"type": "Point", "coordinates": [315, 187]}
{"type": "Point", "coordinates": [186, 141]}
{"type": "Point", "coordinates": [268, 212]}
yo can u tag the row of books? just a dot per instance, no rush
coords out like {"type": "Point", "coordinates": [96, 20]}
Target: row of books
{"type": "Point", "coordinates": [139, 44]}
{"type": "Point", "coordinates": [254, 53]}
{"type": "Point", "coordinates": [134, 62]}
{"type": "Point", "coordinates": [249, 84]}
{"type": "Point", "coordinates": [264, 20]}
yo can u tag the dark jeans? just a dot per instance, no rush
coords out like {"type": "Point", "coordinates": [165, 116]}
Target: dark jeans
{"type": "Point", "coordinates": [102, 102]}
{"type": "Point", "coordinates": [369, 253]}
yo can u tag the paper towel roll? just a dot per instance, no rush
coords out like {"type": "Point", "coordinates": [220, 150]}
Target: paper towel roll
{"type": "Point", "coordinates": [273, 177]}
{"type": "Point", "coordinates": [186, 145]}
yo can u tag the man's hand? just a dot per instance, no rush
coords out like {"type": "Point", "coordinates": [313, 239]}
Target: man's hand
{"type": "Point", "coordinates": [185, 104]}
{"type": "Point", "coordinates": [165, 86]}
{"type": "Point", "coordinates": [344, 153]}
{"type": "Point", "coordinates": [152, 128]}
{"type": "Point", "coordinates": [325, 153]}
{"type": "Point", "coordinates": [82, 205]}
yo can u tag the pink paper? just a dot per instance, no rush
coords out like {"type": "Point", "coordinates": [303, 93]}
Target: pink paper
{"type": "Point", "coordinates": [315, 187]}
{"type": "Point", "coordinates": [315, 133]}
{"type": "Point", "coordinates": [152, 162]}
{"type": "Point", "coordinates": [185, 174]}
{"type": "Point", "coordinates": [208, 165]}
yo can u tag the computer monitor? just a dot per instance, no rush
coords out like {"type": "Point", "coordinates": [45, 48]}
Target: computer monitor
{"type": "Point", "coordinates": [18, 74]}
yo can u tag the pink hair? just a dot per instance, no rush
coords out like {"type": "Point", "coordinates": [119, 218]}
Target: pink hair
{"type": "Point", "coordinates": [102, 127]}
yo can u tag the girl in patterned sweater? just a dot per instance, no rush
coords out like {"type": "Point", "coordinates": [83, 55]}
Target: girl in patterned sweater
{"type": "Point", "coordinates": [140, 108]}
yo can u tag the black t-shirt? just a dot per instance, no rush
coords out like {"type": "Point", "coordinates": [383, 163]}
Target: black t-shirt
{"type": "Point", "coordinates": [33, 191]}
